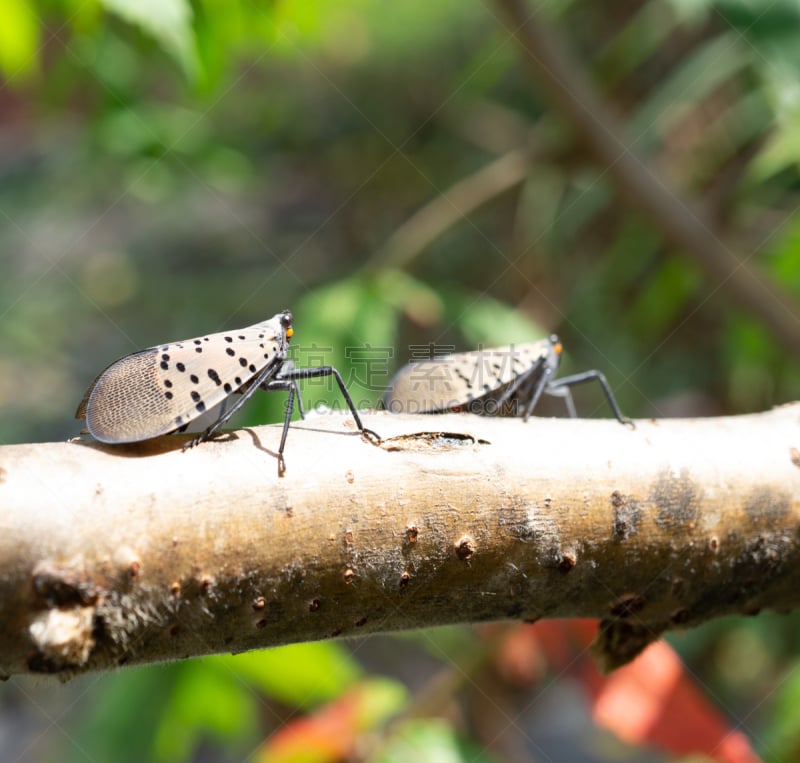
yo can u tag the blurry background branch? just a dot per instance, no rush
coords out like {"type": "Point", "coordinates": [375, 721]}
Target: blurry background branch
{"type": "Point", "coordinates": [449, 209]}
{"type": "Point", "coordinates": [677, 217]}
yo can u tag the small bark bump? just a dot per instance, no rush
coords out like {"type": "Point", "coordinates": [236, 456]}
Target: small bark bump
{"type": "Point", "coordinates": [567, 562]}
{"type": "Point", "coordinates": [465, 548]}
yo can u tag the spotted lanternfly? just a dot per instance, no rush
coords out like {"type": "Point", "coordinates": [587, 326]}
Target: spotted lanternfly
{"type": "Point", "coordinates": [504, 381]}
{"type": "Point", "coordinates": [164, 388]}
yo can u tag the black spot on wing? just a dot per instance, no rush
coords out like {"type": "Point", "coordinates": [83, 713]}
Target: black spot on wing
{"type": "Point", "coordinates": [214, 376]}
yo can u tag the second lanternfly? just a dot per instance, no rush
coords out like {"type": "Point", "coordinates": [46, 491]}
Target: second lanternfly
{"type": "Point", "coordinates": [502, 381]}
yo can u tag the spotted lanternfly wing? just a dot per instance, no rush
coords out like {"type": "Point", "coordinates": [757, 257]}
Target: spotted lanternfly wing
{"type": "Point", "coordinates": [163, 388]}
{"type": "Point", "coordinates": [462, 380]}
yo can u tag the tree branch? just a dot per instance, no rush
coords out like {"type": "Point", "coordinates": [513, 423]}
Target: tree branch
{"type": "Point", "coordinates": [140, 553]}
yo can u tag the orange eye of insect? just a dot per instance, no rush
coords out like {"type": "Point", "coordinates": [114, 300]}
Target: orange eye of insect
{"type": "Point", "coordinates": [289, 332]}
{"type": "Point", "coordinates": [557, 348]}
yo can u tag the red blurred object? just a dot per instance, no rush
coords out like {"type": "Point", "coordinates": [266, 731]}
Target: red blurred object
{"type": "Point", "coordinates": [651, 701]}
{"type": "Point", "coordinates": [326, 736]}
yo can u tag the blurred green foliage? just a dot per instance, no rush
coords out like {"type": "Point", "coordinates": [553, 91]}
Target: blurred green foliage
{"type": "Point", "coordinates": [170, 168]}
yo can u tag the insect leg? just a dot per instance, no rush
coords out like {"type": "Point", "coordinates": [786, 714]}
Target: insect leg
{"type": "Point", "coordinates": [566, 394]}
{"type": "Point", "coordinates": [587, 376]}
{"type": "Point", "coordinates": [541, 382]}
{"type": "Point", "coordinates": [287, 419]}
{"type": "Point", "coordinates": [286, 368]}
{"type": "Point", "coordinates": [266, 373]}
{"type": "Point", "coordinates": [293, 374]}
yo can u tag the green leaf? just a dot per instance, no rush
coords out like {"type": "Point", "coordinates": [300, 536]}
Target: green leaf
{"type": "Point", "coordinates": [208, 700]}
{"type": "Point", "coordinates": [351, 325]}
{"type": "Point", "coordinates": [782, 144]}
{"type": "Point", "coordinates": [122, 721]}
{"type": "Point", "coordinates": [491, 323]}
{"type": "Point", "coordinates": [303, 675]}
{"type": "Point", "coordinates": [167, 21]}
{"type": "Point", "coordinates": [380, 699]}
{"type": "Point", "coordinates": [19, 39]}
{"type": "Point", "coordinates": [430, 741]}
{"type": "Point", "coordinates": [752, 358]}
{"type": "Point", "coordinates": [405, 293]}
{"type": "Point", "coordinates": [663, 300]}
{"type": "Point", "coordinates": [784, 731]}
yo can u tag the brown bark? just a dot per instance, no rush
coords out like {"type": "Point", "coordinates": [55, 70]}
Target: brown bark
{"type": "Point", "coordinates": [131, 554]}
